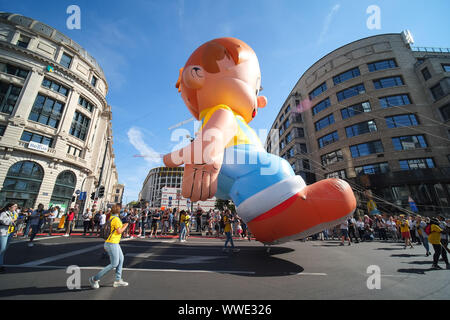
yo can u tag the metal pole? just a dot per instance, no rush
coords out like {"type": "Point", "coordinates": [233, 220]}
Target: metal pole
{"type": "Point", "coordinates": [101, 171]}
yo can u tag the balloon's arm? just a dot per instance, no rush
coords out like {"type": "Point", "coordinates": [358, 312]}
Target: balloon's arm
{"type": "Point", "coordinates": [209, 143]}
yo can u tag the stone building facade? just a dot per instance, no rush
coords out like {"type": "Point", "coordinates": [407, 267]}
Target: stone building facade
{"type": "Point", "coordinates": [55, 122]}
{"type": "Point", "coordinates": [375, 112]}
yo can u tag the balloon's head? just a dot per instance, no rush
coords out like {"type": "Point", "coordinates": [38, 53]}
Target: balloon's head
{"type": "Point", "coordinates": [222, 71]}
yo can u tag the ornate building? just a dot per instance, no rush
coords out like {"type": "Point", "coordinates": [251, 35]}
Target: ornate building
{"type": "Point", "coordinates": [55, 122]}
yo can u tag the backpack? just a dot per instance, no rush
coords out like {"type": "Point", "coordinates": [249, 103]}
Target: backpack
{"type": "Point", "coordinates": [106, 231]}
{"type": "Point", "coordinates": [97, 217]}
{"type": "Point", "coordinates": [428, 229]}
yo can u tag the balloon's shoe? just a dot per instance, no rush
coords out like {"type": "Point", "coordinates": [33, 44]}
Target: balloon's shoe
{"type": "Point", "coordinates": [297, 214]}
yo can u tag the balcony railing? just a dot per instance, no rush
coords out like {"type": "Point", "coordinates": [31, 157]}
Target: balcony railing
{"type": "Point", "coordinates": [431, 49]}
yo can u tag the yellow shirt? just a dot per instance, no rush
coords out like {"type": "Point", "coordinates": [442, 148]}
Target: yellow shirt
{"type": "Point", "coordinates": [245, 134]}
{"type": "Point", "coordinates": [115, 224]}
{"type": "Point", "coordinates": [227, 223]}
{"type": "Point", "coordinates": [435, 235]}
{"type": "Point", "coordinates": [404, 226]}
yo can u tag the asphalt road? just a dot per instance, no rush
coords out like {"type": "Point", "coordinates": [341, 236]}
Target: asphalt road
{"type": "Point", "coordinates": [199, 270]}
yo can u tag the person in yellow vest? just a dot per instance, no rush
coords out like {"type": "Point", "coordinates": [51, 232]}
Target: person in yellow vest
{"type": "Point", "coordinates": [435, 239]}
{"type": "Point", "coordinates": [405, 231]}
{"type": "Point", "coordinates": [227, 219]}
{"type": "Point", "coordinates": [183, 226]}
{"type": "Point", "coordinates": [112, 247]}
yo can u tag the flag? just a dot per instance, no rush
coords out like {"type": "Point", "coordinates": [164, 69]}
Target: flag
{"type": "Point", "coordinates": [412, 205]}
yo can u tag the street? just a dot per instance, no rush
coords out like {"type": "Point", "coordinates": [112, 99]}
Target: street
{"type": "Point", "coordinates": [164, 269]}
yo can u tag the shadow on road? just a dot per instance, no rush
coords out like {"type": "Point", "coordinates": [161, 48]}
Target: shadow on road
{"type": "Point", "coordinates": [31, 291]}
{"type": "Point", "coordinates": [415, 271]}
{"type": "Point", "coordinates": [405, 255]}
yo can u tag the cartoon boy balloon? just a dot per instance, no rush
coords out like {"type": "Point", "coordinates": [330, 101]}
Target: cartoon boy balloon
{"type": "Point", "coordinates": [220, 85]}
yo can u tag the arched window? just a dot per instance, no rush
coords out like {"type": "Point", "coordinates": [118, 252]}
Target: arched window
{"type": "Point", "coordinates": [64, 189]}
{"type": "Point", "coordinates": [22, 184]}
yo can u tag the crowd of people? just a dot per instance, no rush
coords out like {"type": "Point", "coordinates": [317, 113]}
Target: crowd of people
{"type": "Point", "coordinates": [150, 223]}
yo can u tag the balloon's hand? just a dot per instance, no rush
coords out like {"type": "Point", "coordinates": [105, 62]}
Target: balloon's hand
{"type": "Point", "coordinates": [200, 180]}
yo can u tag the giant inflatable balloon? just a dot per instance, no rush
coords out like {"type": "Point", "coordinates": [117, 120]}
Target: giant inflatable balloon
{"type": "Point", "coordinates": [220, 86]}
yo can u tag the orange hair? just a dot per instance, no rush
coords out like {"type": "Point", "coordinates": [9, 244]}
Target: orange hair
{"type": "Point", "coordinates": [207, 56]}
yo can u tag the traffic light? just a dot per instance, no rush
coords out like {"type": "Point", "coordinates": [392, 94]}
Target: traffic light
{"type": "Point", "coordinates": [73, 199]}
{"type": "Point", "coordinates": [93, 196]}
{"type": "Point", "coordinates": [101, 192]}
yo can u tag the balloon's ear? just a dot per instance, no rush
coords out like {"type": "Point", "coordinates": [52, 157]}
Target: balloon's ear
{"type": "Point", "coordinates": [262, 101]}
{"type": "Point", "coordinates": [194, 77]}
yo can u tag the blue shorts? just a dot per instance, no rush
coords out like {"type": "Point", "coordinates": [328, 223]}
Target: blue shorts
{"type": "Point", "coordinates": [247, 170]}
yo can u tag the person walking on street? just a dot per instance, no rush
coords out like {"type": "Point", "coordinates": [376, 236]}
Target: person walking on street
{"type": "Point", "coordinates": [7, 224]}
{"type": "Point", "coordinates": [344, 233]}
{"type": "Point", "coordinates": [51, 219]}
{"type": "Point", "coordinates": [421, 226]}
{"type": "Point", "coordinates": [435, 239]}
{"type": "Point", "coordinates": [144, 219]}
{"type": "Point", "coordinates": [35, 219]}
{"type": "Point", "coordinates": [87, 216]}
{"type": "Point", "coordinates": [182, 237]}
{"type": "Point", "coordinates": [352, 229]}
{"type": "Point", "coordinates": [404, 229]}
{"type": "Point", "coordinates": [70, 218]}
{"type": "Point", "coordinates": [228, 230]}
{"type": "Point", "coordinates": [112, 247]}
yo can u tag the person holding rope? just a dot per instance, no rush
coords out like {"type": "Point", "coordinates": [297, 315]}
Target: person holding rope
{"type": "Point", "coordinates": [436, 236]}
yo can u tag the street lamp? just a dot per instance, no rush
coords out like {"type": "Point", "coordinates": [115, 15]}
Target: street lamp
{"type": "Point", "coordinates": [103, 166]}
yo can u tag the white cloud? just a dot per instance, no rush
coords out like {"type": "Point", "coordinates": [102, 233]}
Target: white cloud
{"type": "Point", "coordinates": [327, 23]}
{"type": "Point", "coordinates": [135, 137]}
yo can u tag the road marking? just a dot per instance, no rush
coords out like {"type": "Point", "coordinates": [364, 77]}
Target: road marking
{"type": "Point", "coordinates": [309, 274]}
{"type": "Point", "coordinates": [61, 256]}
{"type": "Point", "coordinates": [136, 269]}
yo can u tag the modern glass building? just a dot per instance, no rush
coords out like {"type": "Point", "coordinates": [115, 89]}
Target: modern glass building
{"type": "Point", "coordinates": [375, 112]}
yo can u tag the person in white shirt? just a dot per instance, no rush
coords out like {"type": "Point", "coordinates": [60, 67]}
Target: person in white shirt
{"type": "Point", "coordinates": [51, 219]}
{"type": "Point", "coordinates": [392, 229]}
{"type": "Point", "coordinates": [102, 219]}
{"type": "Point", "coordinates": [87, 217]}
{"type": "Point", "coordinates": [344, 233]}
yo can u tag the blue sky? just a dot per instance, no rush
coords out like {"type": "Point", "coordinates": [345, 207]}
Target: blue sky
{"type": "Point", "coordinates": [142, 44]}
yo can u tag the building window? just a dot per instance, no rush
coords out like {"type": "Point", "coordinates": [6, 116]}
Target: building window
{"type": "Point", "coordinates": [66, 60]}
{"type": "Point", "coordinates": [382, 65]}
{"type": "Point", "coordinates": [301, 132]}
{"type": "Point", "coordinates": [337, 174]}
{"type": "Point", "coordinates": [286, 124]}
{"type": "Point", "coordinates": [116, 199]}
{"type": "Point", "coordinates": [94, 81]}
{"type": "Point", "coordinates": [317, 91]}
{"type": "Point", "coordinates": [324, 122]}
{"type": "Point", "coordinates": [347, 75]}
{"type": "Point", "coordinates": [13, 70]}
{"type": "Point", "coordinates": [426, 74]}
{"type": "Point", "coordinates": [328, 139]}
{"type": "Point", "coordinates": [321, 106]}
{"type": "Point", "coordinates": [287, 109]}
{"type": "Point", "coordinates": [332, 157]}
{"type": "Point", "coordinates": [414, 164]}
{"type": "Point", "coordinates": [30, 136]}
{"type": "Point", "coordinates": [394, 101]}
{"type": "Point", "coordinates": [2, 130]}
{"type": "Point", "coordinates": [405, 120]}
{"type": "Point", "coordinates": [446, 67]}
{"type": "Point", "coordinates": [355, 110]}
{"type": "Point", "coordinates": [388, 82]}
{"type": "Point", "coordinates": [361, 128]}
{"type": "Point", "coordinates": [282, 118]}
{"type": "Point", "coordinates": [282, 145]}
{"type": "Point", "coordinates": [74, 151]}
{"type": "Point", "coordinates": [302, 148]}
{"type": "Point", "coordinates": [22, 183]}
{"type": "Point", "coordinates": [351, 92]}
{"type": "Point", "coordinates": [305, 164]}
{"type": "Point", "coordinates": [23, 41]}
{"type": "Point", "coordinates": [9, 95]}
{"type": "Point", "coordinates": [117, 190]}
{"type": "Point", "coordinates": [46, 111]}
{"type": "Point", "coordinates": [420, 61]}
{"type": "Point", "coordinates": [365, 149]}
{"type": "Point", "coordinates": [377, 168]}
{"type": "Point", "coordinates": [289, 137]}
{"type": "Point", "coordinates": [437, 92]}
{"type": "Point", "coordinates": [86, 104]}
{"type": "Point", "coordinates": [64, 188]}
{"type": "Point", "coordinates": [55, 86]}
{"type": "Point", "coordinates": [445, 112]}
{"type": "Point", "coordinates": [291, 152]}
{"type": "Point", "coordinates": [80, 126]}
{"type": "Point", "coordinates": [409, 142]}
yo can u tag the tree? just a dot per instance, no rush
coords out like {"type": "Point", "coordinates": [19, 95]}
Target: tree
{"type": "Point", "coordinates": [222, 204]}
